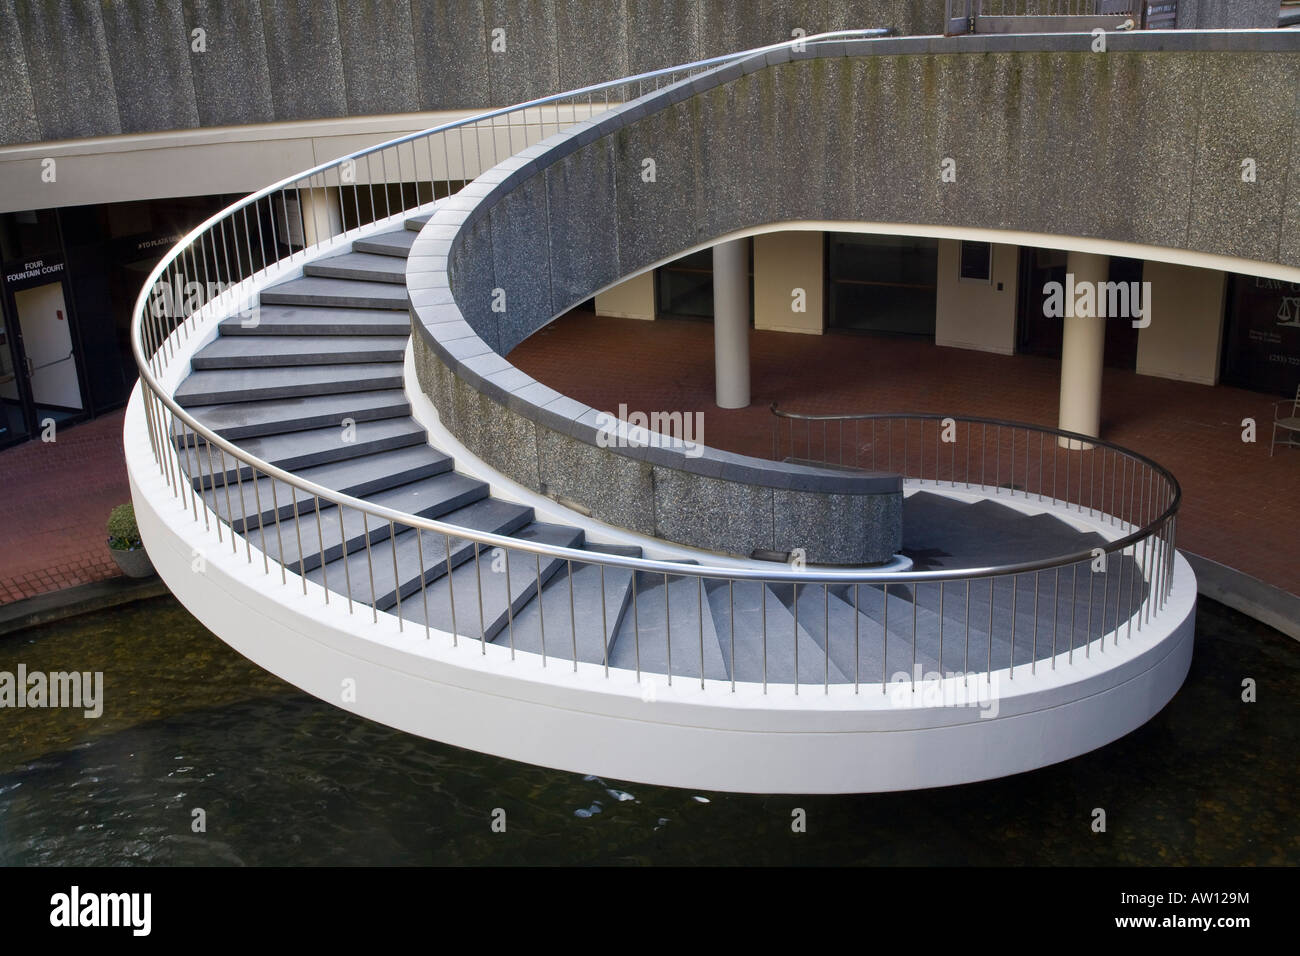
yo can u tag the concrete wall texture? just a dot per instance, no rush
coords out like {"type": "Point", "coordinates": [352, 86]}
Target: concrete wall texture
{"type": "Point", "coordinates": [88, 68]}
{"type": "Point", "coordinates": [1156, 129]}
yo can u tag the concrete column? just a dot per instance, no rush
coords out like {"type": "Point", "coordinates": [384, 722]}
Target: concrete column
{"type": "Point", "coordinates": [788, 279]}
{"type": "Point", "coordinates": [631, 299]}
{"type": "Point", "coordinates": [1083, 346]}
{"type": "Point", "coordinates": [731, 322]}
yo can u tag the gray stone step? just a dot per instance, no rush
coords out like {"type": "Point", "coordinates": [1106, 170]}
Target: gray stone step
{"type": "Point", "coordinates": [358, 477]}
{"type": "Point", "coordinates": [449, 496]}
{"type": "Point", "coordinates": [221, 386]}
{"type": "Point", "coordinates": [318, 291]}
{"type": "Point", "coordinates": [689, 634]}
{"type": "Point", "coordinates": [238, 421]}
{"type": "Point", "coordinates": [549, 626]}
{"type": "Point", "coordinates": [409, 553]}
{"type": "Point", "coordinates": [397, 243]}
{"type": "Point", "coordinates": [1065, 594]}
{"type": "Point", "coordinates": [416, 223]}
{"type": "Point", "coordinates": [913, 630]}
{"type": "Point", "coordinates": [241, 351]}
{"type": "Point", "coordinates": [748, 599]}
{"type": "Point", "coordinates": [296, 450]}
{"type": "Point", "coordinates": [304, 320]}
{"type": "Point", "coordinates": [458, 594]}
{"type": "Point", "coordinates": [364, 266]}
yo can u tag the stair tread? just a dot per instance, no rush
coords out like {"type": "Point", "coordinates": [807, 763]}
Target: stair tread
{"type": "Point", "coordinates": [358, 477]}
{"type": "Point", "coordinates": [401, 559]}
{"type": "Point", "coordinates": [237, 421]}
{"type": "Point", "coordinates": [553, 621]}
{"type": "Point", "coordinates": [397, 243]}
{"type": "Point", "coordinates": [218, 386]}
{"type": "Point", "coordinates": [320, 290]}
{"type": "Point", "coordinates": [474, 577]}
{"type": "Point", "coordinates": [449, 496]}
{"type": "Point", "coordinates": [642, 636]}
{"type": "Point", "coordinates": [748, 600]}
{"type": "Point", "coordinates": [276, 320]}
{"type": "Point", "coordinates": [365, 266]}
{"type": "Point", "coordinates": [302, 449]}
{"type": "Point", "coordinates": [243, 351]}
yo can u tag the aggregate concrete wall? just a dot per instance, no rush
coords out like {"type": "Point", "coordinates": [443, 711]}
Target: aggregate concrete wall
{"type": "Point", "coordinates": [84, 68]}
{"type": "Point", "coordinates": [1141, 144]}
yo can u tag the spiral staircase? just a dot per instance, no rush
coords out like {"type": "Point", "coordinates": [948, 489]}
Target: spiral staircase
{"type": "Point", "coordinates": [353, 546]}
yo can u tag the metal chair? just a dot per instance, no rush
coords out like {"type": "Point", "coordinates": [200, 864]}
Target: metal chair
{"type": "Point", "coordinates": [1290, 424]}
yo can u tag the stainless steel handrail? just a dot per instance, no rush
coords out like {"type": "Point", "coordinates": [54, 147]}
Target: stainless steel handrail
{"type": "Point", "coordinates": [180, 442]}
{"type": "Point", "coordinates": [1176, 489]}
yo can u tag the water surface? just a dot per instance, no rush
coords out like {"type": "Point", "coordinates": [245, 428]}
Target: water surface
{"type": "Point", "coordinates": [286, 779]}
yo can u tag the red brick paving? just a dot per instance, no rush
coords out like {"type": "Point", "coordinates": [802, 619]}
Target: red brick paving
{"type": "Point", "coordinates": [1240, 507]}
{"type": "Point", "coordinates": [54, 503]}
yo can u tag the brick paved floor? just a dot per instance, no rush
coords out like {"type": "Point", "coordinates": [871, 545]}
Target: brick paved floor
{"type": "Point", "coordinates": [54, 505]}
{"type": "Point", "coordinates": [1240, 507]}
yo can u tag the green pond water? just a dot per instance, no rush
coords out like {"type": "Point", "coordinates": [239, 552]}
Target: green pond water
{"type": "Point", "coordinates": [286, 779]}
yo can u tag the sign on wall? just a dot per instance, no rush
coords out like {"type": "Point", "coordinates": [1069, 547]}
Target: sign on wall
{"type": "Point", "coordinates": [1262, 338]}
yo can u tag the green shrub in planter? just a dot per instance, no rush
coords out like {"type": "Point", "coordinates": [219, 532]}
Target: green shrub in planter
{"type": "Point", "coordinates": [124, 543]}
{"type": "Point", "coordinates": [123, 535]}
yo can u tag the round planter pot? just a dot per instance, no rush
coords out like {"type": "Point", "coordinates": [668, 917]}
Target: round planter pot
{"type": "Point", "coordinates": [134, 563]}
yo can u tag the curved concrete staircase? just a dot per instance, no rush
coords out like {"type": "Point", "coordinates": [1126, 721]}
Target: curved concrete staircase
{"type": "Point", "coordinates": [314, 386]}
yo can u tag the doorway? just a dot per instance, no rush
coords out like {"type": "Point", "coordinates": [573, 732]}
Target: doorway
{"type": "Point", "coordinates": [40, 381]}
{"type": "Point", "coordinates": [1037, 334]}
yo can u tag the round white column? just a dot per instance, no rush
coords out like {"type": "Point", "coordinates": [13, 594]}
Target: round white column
{"type": "Point", "coordinates": [1083, 345]}
{"type": "Point", "coordinates": [731, 323]}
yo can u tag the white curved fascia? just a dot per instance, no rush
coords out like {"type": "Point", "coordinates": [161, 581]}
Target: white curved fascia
{"type": "Point", "coordinates": [685, 735]}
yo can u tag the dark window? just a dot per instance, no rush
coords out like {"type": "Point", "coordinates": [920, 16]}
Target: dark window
{"type": "Point", "coordinates": [977, 261]}
{"type": "Point", "coordinates": [883, 284]}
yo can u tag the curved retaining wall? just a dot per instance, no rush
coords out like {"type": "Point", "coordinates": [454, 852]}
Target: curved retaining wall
{"type": "Point", "coordinates": [639, 480]}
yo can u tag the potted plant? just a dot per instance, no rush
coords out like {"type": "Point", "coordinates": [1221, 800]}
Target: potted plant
{"type": "Point", "coordinates": [124, 543]}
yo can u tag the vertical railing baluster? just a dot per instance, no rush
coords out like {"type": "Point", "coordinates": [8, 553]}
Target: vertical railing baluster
{"type": "Point", "coordinates": [451, 593]}
{"type": "Point", "coordinates": [370, 569]}
{"type": "Point", "coordinates": [343, 545]}
{"type": "Point", "coordinates": [884, 644]}
{"type": "Point", "coordinates": [397, 581]}
{"type": "Point", "coordinates": [604, 621]}
{"type": "Point", "coordinates": [297, 530]}
{"type": "Point", "coordinates": [424, 580]}
{"type": "Point", "coordinates": [573, 621]}
{"type": "Point", "coordinates": [636, 627]}
{"type": "Point", "coordinates": [731, 624]}
{"type": "Point", "coordinates": [1015, 588]}
{"type": "Point", "coordinates": [699, 609]}
{"type": "Point", "coordinates": [668, 630]}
